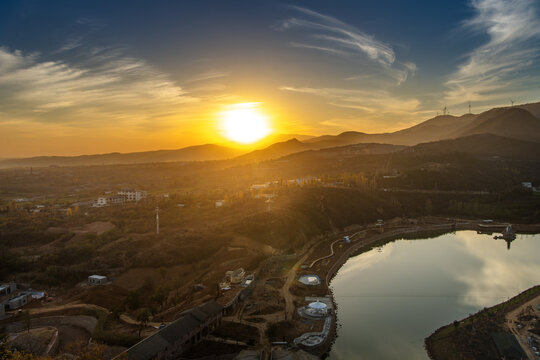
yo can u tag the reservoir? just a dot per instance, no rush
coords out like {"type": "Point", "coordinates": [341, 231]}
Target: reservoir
{"type": "Point", "coordinates": [392, 297]}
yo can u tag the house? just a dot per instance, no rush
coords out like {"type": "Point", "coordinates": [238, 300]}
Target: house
{"type": "Point", "coordinates": [132, 195]}
{"type": "Point", "coordinates": [174, 339]}
{"type": "Point", "coordinates": [6, 289]}
{"type": "Point", "coordinates": [220, 203]}
{"type": "Point", "coordinates": [97, 280]}
{"type": "Point", "coordinates": [6, 294]}
{"type": "Point", "coordinates": [236, 276]}
{"type": "Point", "coordinates": [116, 200]}
{"type": "Point", "coordinates": [100, 202]}
{"type": "Point", "coordinates": [17, 301]}
{"type": "Point", "coordinates": [259, 186]}
{"type": "Point", "coordinates": [527, 185]}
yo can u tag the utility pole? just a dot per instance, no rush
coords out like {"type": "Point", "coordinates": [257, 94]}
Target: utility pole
{"type": "Point", "coordinates": [157, 220]}
{"type": "Point", "coordinates": [469, 108]}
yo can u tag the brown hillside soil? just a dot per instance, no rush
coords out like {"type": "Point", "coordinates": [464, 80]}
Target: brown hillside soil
{"type": "Point", "coordinates": [237, 331]}
{"type": "Point", "coordinates": [35, 341]}
{"type": "Point", "coordinates": [107, 296]}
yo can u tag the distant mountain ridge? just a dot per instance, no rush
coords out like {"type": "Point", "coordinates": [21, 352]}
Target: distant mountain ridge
{"type": "Point", "coordinates": [513, 122]}
{"type": "Point", "coordinates": [192, 153]}
{"type": "Point", "coordinates": [520, 122]}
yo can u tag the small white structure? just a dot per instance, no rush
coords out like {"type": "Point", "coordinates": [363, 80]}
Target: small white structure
{"type": "Point", "coordinates": [38, 295]}
{"type": "Point", "coordinates": [527, 185]}
{"type": "Point", "coordinates": [18, 301]}
{"type": "Point", "coordinates": [317, 309]}
{"type": "Point", "coordinates": [310, 279]}
{"type": "Point", "coordinates": [6, 289]}
{"type": "Point", "coordinates": [248, 280]}
{"type": "Point", "coordinates": [259, 186]}
{"type": "Point", "coordinates": [220, 203]}
{"type": "Point", "coordinates": [97, 280]}
{"type": "Point", "coordinates": [100, 202]}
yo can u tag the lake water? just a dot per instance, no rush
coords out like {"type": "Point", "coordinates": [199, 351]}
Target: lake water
{"type": "Point", "coordinates": [389, 299]}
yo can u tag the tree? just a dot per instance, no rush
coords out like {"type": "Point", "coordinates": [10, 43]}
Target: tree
{"type": "Point", "coordinates": [143, 318]}
{"type": "Point", "coordinates": [160, 295]}
{"type": "Point", "coordinates": [27, 320]}
{"type": "Point", "coordinates": [85, 351]}
{"type": "Point", "coordinates": [271, 330]}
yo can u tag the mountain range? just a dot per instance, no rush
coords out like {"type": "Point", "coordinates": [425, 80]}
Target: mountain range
{"type": "Point", "coordinates": [520, 122]}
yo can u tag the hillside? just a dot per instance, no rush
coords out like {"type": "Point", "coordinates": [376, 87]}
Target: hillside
{"type": "Point", "coordinates": [533, 108]}
{"type": "Point", "coordinates": [276, 150]}
{"type": "Point", "coordinates": [510, 122]}
{"type": "Point", "coordinates": [483, 145]}
{"type": "Point", "coordinates": [433, 129]}
{"type": "Point", "coordinates": [191, 153]}
{"type": "Point", "coordinates": [515, 123]}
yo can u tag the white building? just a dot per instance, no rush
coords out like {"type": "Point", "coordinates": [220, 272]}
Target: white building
{"type": "Point", "coordinates": [259, 186]}
{"type": "Point", "coordinates": [18, 301]}
{"type": "Point", "coordinates": [100, 202]}
{"type": "Point", "coordinates": [133, 195]}
{"type": "Point", "coordinates": [316, 309]}
{"type": "Point", "coordinates": [6, 289]}
{"type": "Point", "coordinates": [97, 280]}
{"type": "Point", "coordinates": [116, 200]}
{"type": "Point", "coordinates": [527, 185]}
{"type": "Point", "coordinates": [220, 203]}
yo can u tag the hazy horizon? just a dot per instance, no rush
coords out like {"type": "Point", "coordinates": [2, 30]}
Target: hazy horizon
{"type": "Point", "coordinates": [87, 78]}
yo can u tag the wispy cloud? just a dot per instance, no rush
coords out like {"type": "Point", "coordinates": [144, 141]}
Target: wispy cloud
{"type": "Point", "coordinates": [341, 36]}
{"type": "Point", "coordinates": [371, 106]}
{"type": "Point", "coordinates": [70, 44]}
{"type": "Point", "coordinates": [210, 75]}
{"type": "Point", "coordinates": [367, 100]}
{"type": "Point", "coordinates": [103, 87]}
{"type": "Point", "coordinates": [508, 61]}
{"type": "Point", "coordinates": [335, 37]}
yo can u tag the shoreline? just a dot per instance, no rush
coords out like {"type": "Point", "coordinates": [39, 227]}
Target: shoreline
{"type": "Point", "coordinates": [368, 243]}
{"type": "Point", "coordinates": [445, 343]}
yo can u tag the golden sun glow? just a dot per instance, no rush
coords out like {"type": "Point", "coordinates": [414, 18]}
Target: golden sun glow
{"type": "Point", "coordinates": [244, 123]}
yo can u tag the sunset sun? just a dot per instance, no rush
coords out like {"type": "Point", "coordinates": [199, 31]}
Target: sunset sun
{"type": "Point", "coordinates": [244, 123]}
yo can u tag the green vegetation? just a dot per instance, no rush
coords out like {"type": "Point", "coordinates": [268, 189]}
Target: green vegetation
{"type": "Point", "coordinates": [110, 337]}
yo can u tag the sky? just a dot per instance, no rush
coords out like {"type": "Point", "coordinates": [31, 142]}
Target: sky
{"type": "Point", "coordinates": [82, 77]}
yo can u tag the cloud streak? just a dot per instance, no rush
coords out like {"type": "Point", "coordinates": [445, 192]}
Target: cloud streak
{"type": "Point", "coordinates": [103, 87]}
{"type": "Point", "coordinates": [335, 37]}
{"type": "Point", "coordinates": [503, 64]}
